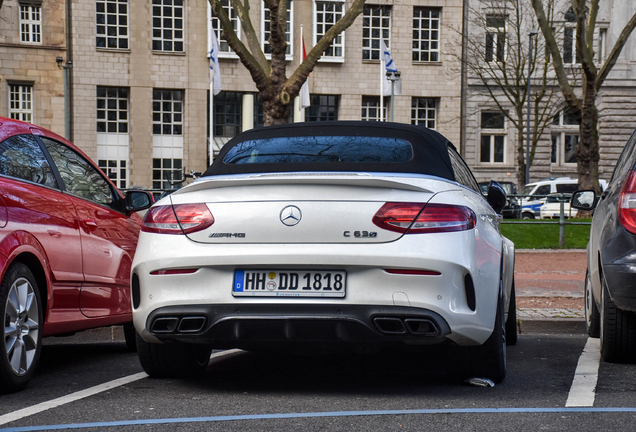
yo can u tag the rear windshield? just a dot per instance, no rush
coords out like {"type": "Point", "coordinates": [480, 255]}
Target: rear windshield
{"type": "Point", "coordinates": [308, 149]}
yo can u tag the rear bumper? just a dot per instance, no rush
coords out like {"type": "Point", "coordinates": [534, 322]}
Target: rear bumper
{"type": "Point", "coordinates": [246, 326]}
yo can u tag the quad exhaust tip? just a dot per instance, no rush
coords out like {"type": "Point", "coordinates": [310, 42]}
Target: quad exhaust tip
{"type": "Point", "coordinates": [400, 326]}
{"type": "Point", "coordinates": [188, 324]}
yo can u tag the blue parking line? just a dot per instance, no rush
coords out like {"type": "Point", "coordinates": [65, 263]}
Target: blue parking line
{"type": "Point", "coordinates": [324, 414]}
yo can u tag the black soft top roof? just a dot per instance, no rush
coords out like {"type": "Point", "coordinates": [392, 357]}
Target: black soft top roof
{"type": "Point", "coordinates": [430, 149]}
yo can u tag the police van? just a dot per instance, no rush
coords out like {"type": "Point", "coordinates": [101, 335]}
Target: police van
{"type": "Point", "coordinates": [535, 193]}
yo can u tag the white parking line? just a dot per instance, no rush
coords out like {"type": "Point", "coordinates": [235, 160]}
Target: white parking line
{"type": "Point", "coordinates": [53, 403]}
{"type": "Point", "coordinates": [583, 390]}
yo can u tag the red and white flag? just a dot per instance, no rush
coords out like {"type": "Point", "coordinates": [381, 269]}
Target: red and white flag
{"type": "Point", "coordinates": [304, 90]}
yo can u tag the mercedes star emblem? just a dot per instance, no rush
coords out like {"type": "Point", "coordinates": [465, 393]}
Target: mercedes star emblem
{"type": "Point", "coordinates": [291, 215]}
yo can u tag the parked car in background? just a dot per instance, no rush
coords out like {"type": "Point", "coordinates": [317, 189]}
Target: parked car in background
{"type": "Point", "coordinates": [67, 239]}
{"type": "Point", "coordinates": [327, 236]}
{"type": "Point", "coordinates": [535, 193]}
{"type": "Point", "coordinates": [552, 208]}
{"type": "Point", "coordinates": [610, 284]}
{"type": "Point", "coordinates": [512, 210]}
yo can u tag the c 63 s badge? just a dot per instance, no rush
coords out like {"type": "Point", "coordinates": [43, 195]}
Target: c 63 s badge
{"type": "Point", "coordinates": [360, 234]}
{"type": "Point", "coordinates": [228, 235]}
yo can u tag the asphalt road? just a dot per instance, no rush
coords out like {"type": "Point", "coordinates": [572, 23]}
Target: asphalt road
{"type": "Point", "coordinates": [243, 391]}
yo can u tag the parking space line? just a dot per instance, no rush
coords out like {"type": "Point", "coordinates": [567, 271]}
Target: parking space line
{"type": "Point", "coordinates": [282, 416]}
{"type": "Point", "coordinates": [583, 390]}
{"type": "Point", "coordinates": [53, 403]}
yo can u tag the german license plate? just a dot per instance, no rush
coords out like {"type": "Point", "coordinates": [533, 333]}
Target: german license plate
{"type": "Point", "coordinates": [289, 283]}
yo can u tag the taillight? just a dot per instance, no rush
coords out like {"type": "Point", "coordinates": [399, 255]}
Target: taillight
{"type": "Point", "coordinates": [178, 219]}
{"type": "Point", "coordinates": [627, 203]}
{"type": "Point", "coordinates": [419, 218]}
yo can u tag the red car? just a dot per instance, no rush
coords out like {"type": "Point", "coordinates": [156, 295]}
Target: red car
{"type": "Point", "coordinates": [67, 240]}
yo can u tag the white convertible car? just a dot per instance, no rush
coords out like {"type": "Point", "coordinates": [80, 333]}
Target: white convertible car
{"type": "Point", "coordinates": [339, 235]}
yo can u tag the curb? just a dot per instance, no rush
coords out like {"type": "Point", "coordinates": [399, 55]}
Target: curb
{"type": "Point", "coordinates": [551, 326]}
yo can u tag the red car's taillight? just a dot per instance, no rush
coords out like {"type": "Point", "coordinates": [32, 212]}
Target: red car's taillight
{"type": "Point", "coordinates": [178, 219]}
{"type": "Point", "coordinates": [419, 218]}
{"type": "Point", "coordinates": [627, 203]}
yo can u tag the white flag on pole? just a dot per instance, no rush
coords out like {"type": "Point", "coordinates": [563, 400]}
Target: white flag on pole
{"type": "Point", "coordinates": [215, 71]}
{"type": "Point", "coordinates": [388, 65]}
{"type": "Point", "coordinates": [304, 90]}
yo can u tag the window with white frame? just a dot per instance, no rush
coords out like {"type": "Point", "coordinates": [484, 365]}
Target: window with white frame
{"type": "Point", "coordinates": [426, 34]}
{"type": "Point", "coordinates": [371, 108]}
{"type": "Point", "coordinates": [112, 109]}
{"type": "Point", "coordinates": [570, 56]}
{"type": "Point", "coordinates": [167, 143]}
{"type": "Point", "coordinates": [111, 17]}
{"type": "Point", "coordinates": [376, 25]}
{"type": "Point", "coordinates": [493, 138]}
{"type": "Point", "coordinates": [565, 137]}
{"type": "Point", "coordinates": [495, 38]}
{"type": "Point", "coordinates": [326, 14]}
{"type": "Point", "coordinates": [266, 30]}
{"type": "Point", "coordinates": [224, 47]}
{"type": "Point", "coordinates": [167, 112]}
{"type": "Point", "coordinates": [167, 25]}
{"type": "Point", "coordinates": [21, 102]}
{"type": "Point", "coordinates": [112, 133]}
{"type": "Point", "coordinates": [424, 112]}
{"type": "Point", "coordinates": [30, 24]}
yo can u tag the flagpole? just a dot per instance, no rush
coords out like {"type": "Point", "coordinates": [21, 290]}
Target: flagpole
{"type": "Point", "coordinates": [381, 85]}
{"type": "Point", "coordinates": [211, 149]}
{"type": "Point", "coordinates": [301, 116]}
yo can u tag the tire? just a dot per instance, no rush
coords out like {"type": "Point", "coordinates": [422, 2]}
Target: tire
{"type": "Point", "coordinates": [482, 361]}
{"type": "Point", "coordinates": [592, 315]}
{"type": "Point", "coordinates": [511, 323]}
{"type": "Point", "coordinates": [618, 331]}
{"type": "Point", "coordinates": [527, 215]}
{"type": "Point", "coordinates": [173, 360]}
{"type": "Point", "coordinates": [130, 335]}
{"type": "Point", "coordinates": [21, 344]}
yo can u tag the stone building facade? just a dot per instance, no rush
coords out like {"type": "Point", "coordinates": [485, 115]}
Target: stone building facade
{"type": "Point", "coordinates": [140, 76]}
{"type": "Point", "coordinates": [32, 37]}
{"type": "Point", "coordinates": [555, 151]}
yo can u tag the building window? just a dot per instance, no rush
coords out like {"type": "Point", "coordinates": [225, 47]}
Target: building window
{"type": "Point", "coordinates": [570, 56]}
{"type": "Point", "coordinates": [112, 23]}
{"type": "Point", "coordinates": [266, 30]}
{"type": "Point", "coordinates": [30, 24]}
{"type": "Point", "coordinates": [112, 110]}
{"type": "Point", "coordinates": [115, 170]}
{"type": "Point", "coordinates": [21, 102]}
{"type": "Point", "coordinates": [376, 25]}
{"type": "Point", "coordinates": [493, 137]}
{"type": "Point", "coordinates": [602, 45]}
{"type": "Point", "coordinates": [426, 37]}
{"type": "Point", "coordinates": [495, 38]}
{"type": "Point", "coordinates": [167, 25]}
{"type": "Point", "coordinates": [224, 47]}
{"type": "Point", "coordinates": [371, 108]}
{"type": "Point", "coordinates": [167, 173]}
{"type": "Point", "coordinates": [326, 14]}
{"type": "Point", "coordinates": [322, 108]}
{"type": "Point", "coordinates": [167, 112]}
{"type": "Point", "coordinates": [228, 108]}
{"type": "Point", "coordinates": [424, 112]}
{"type": "Point", "coordinates": [565, 137]}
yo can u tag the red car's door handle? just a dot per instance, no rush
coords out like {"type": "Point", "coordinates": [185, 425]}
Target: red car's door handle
{"type": "Point", "coordinates": [90, 223]}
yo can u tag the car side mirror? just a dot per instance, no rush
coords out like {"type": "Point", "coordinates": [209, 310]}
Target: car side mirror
{"type": "Point", "coordinates": [496, 196]}
{"type": "Point", "coordinates": [583, 200]}
{"type": "Point", "coordinates": [137, 200]}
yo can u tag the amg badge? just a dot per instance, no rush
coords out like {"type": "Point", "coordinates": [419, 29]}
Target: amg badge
{"type": "Point", "coordinates": [217, 235]}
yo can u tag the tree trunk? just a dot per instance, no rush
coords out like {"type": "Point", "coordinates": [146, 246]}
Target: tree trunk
{"type": "Point", "coordinates": [587, 151]}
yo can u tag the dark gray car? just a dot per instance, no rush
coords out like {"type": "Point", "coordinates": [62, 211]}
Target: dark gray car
{"type": "Point", "coordinates": [610, 286]}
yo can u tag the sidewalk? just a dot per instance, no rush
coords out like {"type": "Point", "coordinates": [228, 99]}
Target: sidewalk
{"type": "Point", "coordinates": [549, 287]}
